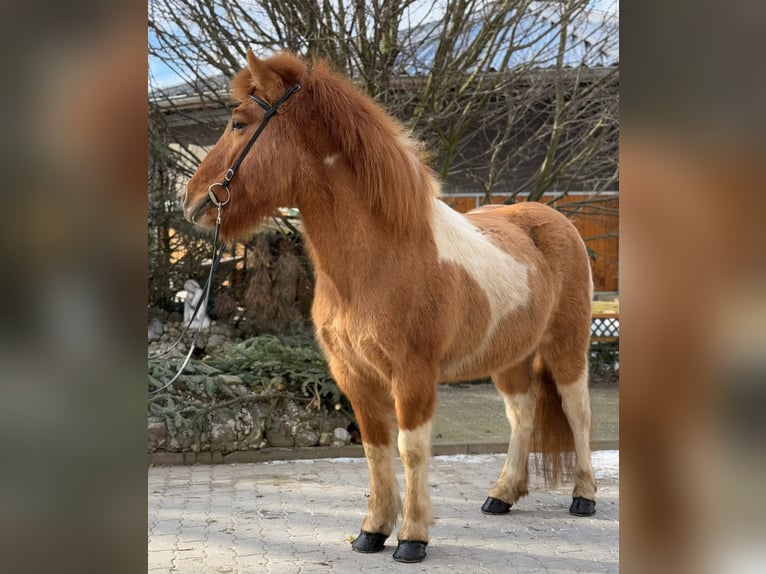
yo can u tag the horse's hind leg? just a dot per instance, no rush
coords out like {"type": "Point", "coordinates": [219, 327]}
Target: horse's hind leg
{"type": "Point", "coordinates": [517, 392]}
{"type": "Point", "coordinates": [570, 371]}
{"type": "Point", "coordinates": [575, 400]}
{"type": "Point", "coordinates": [373, 408]}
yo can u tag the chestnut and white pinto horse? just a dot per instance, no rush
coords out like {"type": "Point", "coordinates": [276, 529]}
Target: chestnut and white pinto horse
{"type": "Point", "coordinates": [409, 293]}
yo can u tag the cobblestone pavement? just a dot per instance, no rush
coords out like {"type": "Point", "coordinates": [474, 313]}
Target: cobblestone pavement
{"type": "Point", "coordinates": [300, 516]}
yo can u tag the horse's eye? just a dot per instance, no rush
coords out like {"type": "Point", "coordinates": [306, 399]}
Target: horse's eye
{"type": "Point", "coordinates": [237, 125]}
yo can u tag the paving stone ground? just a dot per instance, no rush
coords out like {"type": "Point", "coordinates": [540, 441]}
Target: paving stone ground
{"type": "Point", "coordinates": [300, 516]}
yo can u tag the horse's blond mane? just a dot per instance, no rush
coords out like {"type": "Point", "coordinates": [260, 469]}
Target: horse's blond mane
{"type": "Point", "coordinates": [388, 165]}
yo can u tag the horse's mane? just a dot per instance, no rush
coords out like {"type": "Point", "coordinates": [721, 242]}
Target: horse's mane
{"type": "Point", "coordinates": [388, 165]}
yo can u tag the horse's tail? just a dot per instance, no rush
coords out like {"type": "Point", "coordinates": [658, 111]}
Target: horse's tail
{"type": "Point", "coordinates": [552, 436]}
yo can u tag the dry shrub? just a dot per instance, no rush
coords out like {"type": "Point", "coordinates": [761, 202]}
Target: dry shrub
{"type": "Point", "coordinates": [225, 306]}
{"type": "Point", "coordinates": [276, 281]}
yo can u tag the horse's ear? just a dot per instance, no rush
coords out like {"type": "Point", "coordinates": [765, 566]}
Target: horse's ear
{"type": "Point", "coordinates": [267, 77]}
{"type": "Point", "coordinates": [262, 78]}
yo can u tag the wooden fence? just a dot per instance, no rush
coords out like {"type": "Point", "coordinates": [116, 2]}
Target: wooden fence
{"type": "Point", "coordinates": [605, 327]}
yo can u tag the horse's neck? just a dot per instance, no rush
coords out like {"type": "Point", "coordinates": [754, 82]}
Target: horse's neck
{"type": "Point", "coordinates": [350, 244]}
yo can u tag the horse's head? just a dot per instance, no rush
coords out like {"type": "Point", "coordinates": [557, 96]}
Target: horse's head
{"type": "Point", "coordinates": [327, 145]}
{"type": "Point", "coordinates": [267, 177]}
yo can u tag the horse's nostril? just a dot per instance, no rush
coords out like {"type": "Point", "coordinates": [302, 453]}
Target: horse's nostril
{"type": "Point", "coordinates": [192, 211]}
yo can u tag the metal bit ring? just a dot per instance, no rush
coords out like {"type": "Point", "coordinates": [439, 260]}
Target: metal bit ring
{"type": "Point", "coordinates": [213, 197]}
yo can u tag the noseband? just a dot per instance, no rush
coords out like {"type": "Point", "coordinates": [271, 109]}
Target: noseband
{"type": "Point", "coordinates": [218, 249]}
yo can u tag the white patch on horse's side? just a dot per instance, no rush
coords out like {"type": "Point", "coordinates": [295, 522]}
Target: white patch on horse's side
{"type": "Point", "coordinates": [503, 278]}
{"type": "Point", "coordinates": [330, 160]}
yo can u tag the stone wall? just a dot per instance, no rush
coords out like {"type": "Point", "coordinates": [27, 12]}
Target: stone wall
{"type": "Point", "coordinates": [167, 327]}
{"type": "Point", "coordinates": [254, 422]}
{"type": "Point", "coordinates": [253, 427]}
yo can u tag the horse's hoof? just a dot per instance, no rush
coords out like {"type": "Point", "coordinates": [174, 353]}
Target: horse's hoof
{"type": "Point", "coordinates": [410, 551]}
{"type": "Point", "coordinates": [582, 506]}
{"type": "Point", "coordinates": [369, 542]}
{"type": "Point", "coordinates": [495, 506]}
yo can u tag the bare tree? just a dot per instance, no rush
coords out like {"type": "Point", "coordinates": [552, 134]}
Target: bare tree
{"type": "Point", "coordinates": [162, 209]}
{"type": "Point", "coordinates": [519, 73]}
{"type": "Point", "coordinates": [535, 118]}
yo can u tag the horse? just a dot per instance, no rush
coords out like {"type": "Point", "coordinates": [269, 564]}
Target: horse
{"type": "Point", "coordinates": [410, 293]}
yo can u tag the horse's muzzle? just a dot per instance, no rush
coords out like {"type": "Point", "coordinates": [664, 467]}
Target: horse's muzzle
{"type": "Point", "coordinates": [194, 212]}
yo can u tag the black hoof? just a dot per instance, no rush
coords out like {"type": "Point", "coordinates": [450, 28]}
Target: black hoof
{"type": "Point", "coordinates": [495, 506]}
{"type": "Point", "coordinates": [582, 506]}
{"type": "Point", "coordinates": [369, 542]}
{"type": "Point", "coordinates": [410, 551]}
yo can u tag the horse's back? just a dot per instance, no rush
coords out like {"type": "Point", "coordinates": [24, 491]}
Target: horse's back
{"type": "Point", "coordinates": [538, 220]}
{"type": "Point", "coordinates": [551, 232]}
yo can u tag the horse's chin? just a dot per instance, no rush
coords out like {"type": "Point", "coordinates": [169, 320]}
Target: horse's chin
{"type": "Point", "coordinates": [206, 219]}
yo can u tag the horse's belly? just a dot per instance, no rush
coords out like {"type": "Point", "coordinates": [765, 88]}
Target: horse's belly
{"type": "Point", "coordinates": [513, 339]}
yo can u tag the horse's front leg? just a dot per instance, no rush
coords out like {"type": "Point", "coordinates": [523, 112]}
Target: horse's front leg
{"type": "Point", "coordinates": [415, 399]}
{"type": "Point", "coordinates": [373, 408]}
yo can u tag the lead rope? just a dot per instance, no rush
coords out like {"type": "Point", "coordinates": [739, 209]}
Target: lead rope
{"type": "Point", "coordinates": [218, 251]}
